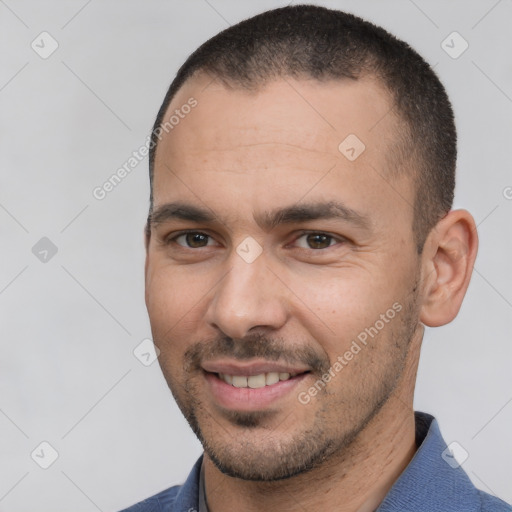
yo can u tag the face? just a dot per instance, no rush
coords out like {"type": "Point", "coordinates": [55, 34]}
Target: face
{"type": "Point", "coordinates": [281, 276]}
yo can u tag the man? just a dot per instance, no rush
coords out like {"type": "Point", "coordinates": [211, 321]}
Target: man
{"type": "Point", "coordinates": [300, 237]}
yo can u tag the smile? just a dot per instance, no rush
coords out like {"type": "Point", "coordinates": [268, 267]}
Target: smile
{"type": "Point", "coordinates": [232, 390]}
{"type": "Point", "coordinates": [255, 381]}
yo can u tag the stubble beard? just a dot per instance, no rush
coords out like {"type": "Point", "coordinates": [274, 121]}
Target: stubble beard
{"type": "Point", "coordinates": [253, 451]}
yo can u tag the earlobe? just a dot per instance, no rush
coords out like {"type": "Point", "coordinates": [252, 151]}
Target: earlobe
{"type": "Point", "coordinates": [451, 252]}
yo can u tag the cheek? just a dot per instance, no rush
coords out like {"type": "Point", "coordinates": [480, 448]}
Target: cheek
{"type": "Point", "coordinates": [174, 300]}
{"type": "Point", "coordinates": [335, 309]}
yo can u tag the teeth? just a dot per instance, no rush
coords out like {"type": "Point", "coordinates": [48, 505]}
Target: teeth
{"type": "Point", "coordinates": [239, 381]}
{"type": "Point", "coordinates": [255, 381]}
{"type": "Point", "coordinates": [272, 378]}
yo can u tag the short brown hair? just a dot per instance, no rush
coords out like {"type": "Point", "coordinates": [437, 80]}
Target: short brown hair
{"type": "Point", "coordinates": [306, 41]}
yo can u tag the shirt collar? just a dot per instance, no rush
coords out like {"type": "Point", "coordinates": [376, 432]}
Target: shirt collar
{"type": "Point", "coordinates": [429, 483]}
{"type": "Point", "coordinates": [203, 507]}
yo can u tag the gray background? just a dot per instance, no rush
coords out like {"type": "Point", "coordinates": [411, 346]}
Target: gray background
{"type": "Point", "coordinates": [69, 325]}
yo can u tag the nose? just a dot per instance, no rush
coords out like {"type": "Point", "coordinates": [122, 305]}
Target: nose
{"type": "Point", "coordinates": [248, 297]}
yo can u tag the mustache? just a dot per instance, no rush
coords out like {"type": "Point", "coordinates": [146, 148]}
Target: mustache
{"type": "Point", "coordinates": [255, 346]}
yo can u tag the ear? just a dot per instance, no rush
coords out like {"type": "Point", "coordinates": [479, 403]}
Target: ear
{"type": "Point", "coordinates": [447, 263]}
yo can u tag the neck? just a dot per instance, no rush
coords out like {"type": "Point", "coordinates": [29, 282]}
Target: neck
{"type": "Point", "coordinates": [355, 481]}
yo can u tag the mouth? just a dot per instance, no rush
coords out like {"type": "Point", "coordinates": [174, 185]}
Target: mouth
{"type": "Point", "coordinates": [253, 386]}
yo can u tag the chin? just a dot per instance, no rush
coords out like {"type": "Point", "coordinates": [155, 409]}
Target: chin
{"type": "Point", "coordinates": [259, 470]}
{"type": "Point", "coordinates": [257, 456]}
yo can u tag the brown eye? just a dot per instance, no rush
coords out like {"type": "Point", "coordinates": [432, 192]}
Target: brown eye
{"type": "Point", "coordinates": [193, 240]}
{"type": "Point", "coordinates": [318, 241]}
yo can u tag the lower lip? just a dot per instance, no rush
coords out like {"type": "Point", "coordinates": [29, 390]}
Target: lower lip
{"type": "Point", "coordinates": [248, 399]}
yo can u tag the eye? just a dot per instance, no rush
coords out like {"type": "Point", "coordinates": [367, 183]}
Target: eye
{"type": "Point", "coordinates": [193, 240]}
{"type": "Point", "coordinates": [315, 241]}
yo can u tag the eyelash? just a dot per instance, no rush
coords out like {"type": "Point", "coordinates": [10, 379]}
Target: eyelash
{"type": "Point", "coordinates": [339, 239]}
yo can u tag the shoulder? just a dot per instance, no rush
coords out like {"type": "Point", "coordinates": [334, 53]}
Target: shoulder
{"type": "Point", "coordinates": [435, 481]}
{"type": "Point", "coordinates": [178, 498]}
{"type": "Point", "coordinates": [163, 501]}
{"type": "Point", "coordinates": [492, 504]}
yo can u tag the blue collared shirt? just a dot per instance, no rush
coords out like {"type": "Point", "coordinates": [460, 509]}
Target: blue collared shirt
{"type": "Point", "coordinates": [428, 484]}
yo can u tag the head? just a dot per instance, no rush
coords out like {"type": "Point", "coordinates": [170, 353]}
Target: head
{"type": "Point", "coordinates": [300, 223]}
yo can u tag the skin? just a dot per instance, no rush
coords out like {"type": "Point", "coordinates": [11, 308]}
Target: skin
{"type": "Point", "coordinates": [240, 155]}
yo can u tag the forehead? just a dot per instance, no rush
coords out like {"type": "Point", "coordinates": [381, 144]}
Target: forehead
{"type": "Point", "coordinates": [286, 136]}
{"type": "Point", "coordinates": [307, 114]}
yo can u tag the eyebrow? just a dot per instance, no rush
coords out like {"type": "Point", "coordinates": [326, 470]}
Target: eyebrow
{"type": "Point", "coordinates": [181, 211]}
{"type": "Point", "coordinates": [313, 211]}
{"type": "Point", "coordinates": [268, 220]}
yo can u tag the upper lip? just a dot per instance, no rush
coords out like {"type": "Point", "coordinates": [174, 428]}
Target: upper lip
{"type": "Point", "coordinates": [249, 368]}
